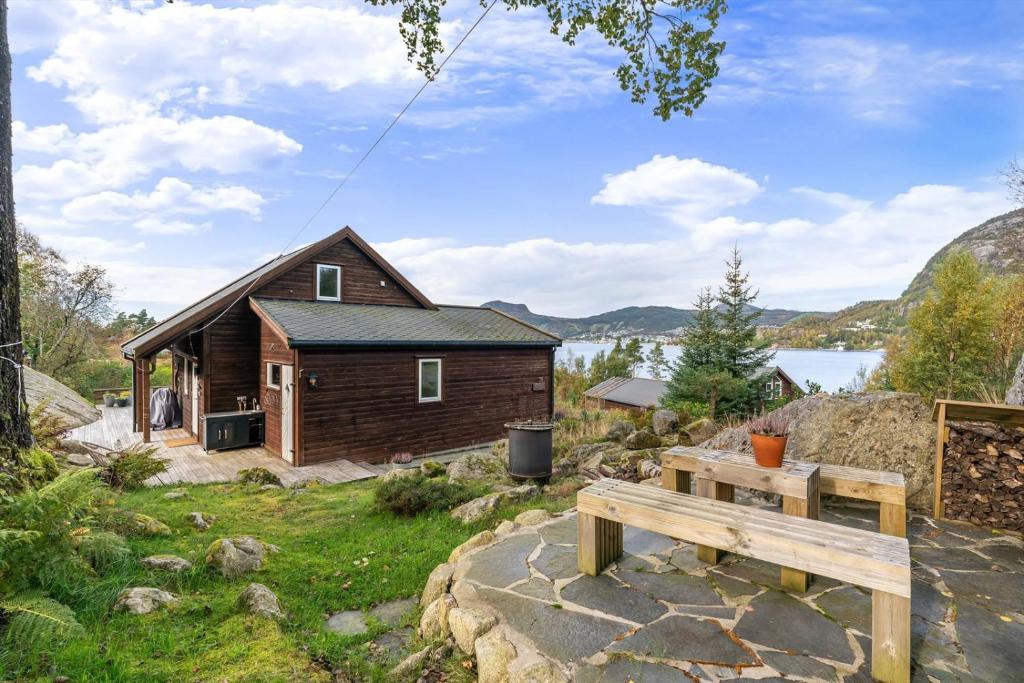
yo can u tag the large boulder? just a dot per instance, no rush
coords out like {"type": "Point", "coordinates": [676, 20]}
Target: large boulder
{"type": "Point", "coordinates": [878, 431]}
{"type": "Point", "coordinates": [664, 422]}
{"type": "Point", "coordinates": [700, 430]}
{"type": "Point", "coordinates": [59, 401]}
{"type": "Point", "coordinates": [477, 466]}
{"type": "Point", "coordinates": [1015, 394]}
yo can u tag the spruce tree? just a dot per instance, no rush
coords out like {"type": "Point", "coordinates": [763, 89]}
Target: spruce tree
{"type": "Point", "coordinates": [634, 355]}
{"type": "Point", "coordinates": [656, 363]}
{"type": "Point", "coordinates": [742, 353]}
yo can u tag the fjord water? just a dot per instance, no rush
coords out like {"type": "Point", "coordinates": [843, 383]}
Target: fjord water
{"type": "Point", "coordinates": [831, 369]}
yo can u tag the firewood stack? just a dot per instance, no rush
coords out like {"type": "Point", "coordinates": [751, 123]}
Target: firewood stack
{"type": "Point", "coordinates": [983, 474]}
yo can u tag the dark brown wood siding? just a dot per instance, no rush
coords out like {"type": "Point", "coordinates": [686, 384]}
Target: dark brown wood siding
{"type": "Point", "coordinates": [366, 408]}
{"type": "Point", "coordinates": [232, 360]}
{"type": "Point", "coordinates": [273, 349]}
{"type": "Point", "coordinates": [360, 279]}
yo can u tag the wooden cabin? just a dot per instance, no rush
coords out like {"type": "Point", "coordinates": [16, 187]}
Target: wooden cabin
{"type": "Point", "coordinates": [328, 352]}
{"type": "Point", "coordinates": [635, 394]}
{"type": "Point", "coordinates": [776, 384]}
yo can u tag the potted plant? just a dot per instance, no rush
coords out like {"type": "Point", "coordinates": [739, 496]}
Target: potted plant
{"type": "Point", "coordinates": [108, 400]}
{"type": "Point", "coordinates": [768, 436]}
{"type": "Point", "coordinates": [122, 400]}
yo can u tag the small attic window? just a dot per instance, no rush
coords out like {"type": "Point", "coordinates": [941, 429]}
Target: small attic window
{"type": "Point", "coordinates": [328, 282]}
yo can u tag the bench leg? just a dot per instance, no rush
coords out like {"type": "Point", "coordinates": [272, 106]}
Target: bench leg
{"type": "Point", "coordinates": [600, 543]}
{"type": "Point", "coordinates": [675, 480]}
{"type": "Point", "coordinates": [890, 637]}
{"type": "Point", "coordinates": [893, 519]}
{"type": "Point", "coordinates": [706, 488]}
{"type": "Point", "coordinates": [794, 579]}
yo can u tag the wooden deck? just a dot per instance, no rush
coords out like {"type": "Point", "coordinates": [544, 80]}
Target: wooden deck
{"type": "Point", "coordinates": [192, 465]}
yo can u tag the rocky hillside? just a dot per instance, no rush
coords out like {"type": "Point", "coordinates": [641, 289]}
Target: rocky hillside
{"type": "Point", "coordinates": [998, 243]}
{"type": "Point", "coordinates": [631, 321]}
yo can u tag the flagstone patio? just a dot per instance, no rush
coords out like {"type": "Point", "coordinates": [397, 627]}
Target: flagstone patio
{"type": "Point", "coordinates": [659, 614]}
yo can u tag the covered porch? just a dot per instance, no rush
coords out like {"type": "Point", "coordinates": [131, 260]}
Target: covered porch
{"type": "Point", "coordinates": [190, 464]}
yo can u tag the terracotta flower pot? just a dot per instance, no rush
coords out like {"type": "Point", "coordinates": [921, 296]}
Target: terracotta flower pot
{"type": "Point", "coordinates": [768, 450]}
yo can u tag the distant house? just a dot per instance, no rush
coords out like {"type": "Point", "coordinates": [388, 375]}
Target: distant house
{"type": "Point", "coordinates": [776, 384]}
{"type": "Point", "coordinates": [635, 394]}
{"type": "Point", "coordinates": [345, 359]}
{"type": "Point", "coordinates": [638, 394]}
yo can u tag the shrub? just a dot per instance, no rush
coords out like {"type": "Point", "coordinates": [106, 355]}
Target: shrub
{"type": "Point", "coordinates": [258, 475]}
{"type": "Point", "coordinates": [37, 467]}
{"type": "Point", "coordinates": [47, 428]}
{"type": "Point", "coordinates": [410, 496]}
{"type": "Point", "coordinates": [127, 469]}
{"type": "Point", "coordinates": [769, 424]}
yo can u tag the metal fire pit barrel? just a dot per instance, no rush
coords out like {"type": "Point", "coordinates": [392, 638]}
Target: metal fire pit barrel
{"type": "Point", "coordinates": [529, 450]}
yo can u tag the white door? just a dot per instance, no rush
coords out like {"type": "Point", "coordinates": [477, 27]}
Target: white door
{"type": "Point", "coordinates": [287, 414]}
{"type": "Point", "coordinates": [193, 377]}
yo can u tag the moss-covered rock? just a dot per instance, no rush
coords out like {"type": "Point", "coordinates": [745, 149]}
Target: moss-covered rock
{"type": "Point", "coordinates": [258, 475]}
{"type": "Point", "coordinates": [131, 523]}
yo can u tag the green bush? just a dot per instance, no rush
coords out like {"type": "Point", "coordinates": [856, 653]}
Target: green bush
{"type": "Point", "coordinates": [258, 475]}
{"type": "Point", "coordinates": [410, 496]}
{"type": "Point", "coordinates": [129, 468]}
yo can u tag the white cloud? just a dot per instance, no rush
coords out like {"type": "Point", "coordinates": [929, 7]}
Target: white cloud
{"type": "Point", "coordinates": [115, 156]}
{"type": "Point", "coordinates": [683, 188]}
{"type": "Point", "coordinates": [160, 226]}
{"type": "Point", "coordinates": [124, 63]}
{"type": "Point", "coordinates": [873, 80]}
{"type": "Point", "coordinates": [90, 249]}
{"type": "Point", "coordinates": [170, 196]}
{"type": "Point", "coordinates": [871, 250]}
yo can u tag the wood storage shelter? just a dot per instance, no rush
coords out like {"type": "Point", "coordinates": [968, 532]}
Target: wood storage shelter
{"type": "Point", "coordinates": [979, 463]}
{"type": "Point", "coordinates": [347, 359]}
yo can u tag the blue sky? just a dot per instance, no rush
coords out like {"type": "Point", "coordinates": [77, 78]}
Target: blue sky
{"type": "Point", "coordinates": [181, 145]}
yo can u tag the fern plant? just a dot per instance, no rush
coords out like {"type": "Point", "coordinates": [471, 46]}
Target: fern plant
{"type": "Point", "coordinates": [34, 619]}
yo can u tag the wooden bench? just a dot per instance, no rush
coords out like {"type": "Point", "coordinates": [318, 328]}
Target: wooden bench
{"type": "Point", "coordinates": [874, 561]}
{"type": "Point", "coordinates": [718, 472]}
{"type": "Point", "coordinates": [888, 489]}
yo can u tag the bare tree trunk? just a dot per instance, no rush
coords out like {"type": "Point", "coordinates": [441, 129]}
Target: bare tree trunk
{"type": "Point", "coordinates": [1015, 394]}
{"type": "Point", "coordinates": [14, 426]}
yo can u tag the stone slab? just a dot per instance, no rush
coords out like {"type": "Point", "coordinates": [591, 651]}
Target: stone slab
{"type": "Point", "coordinates": [799, 665]}
{"type": "Point", "coordinates": [992, 646]}
{"type": "Point", "coordinates": [848, 605]}
{"type": "Point", "coordinates": [557, 562]}
{"type": "Point", "coordinates": [605, 594]}
{"type": "Point", "coordinates": [391, 613]}
{"type": "Point", "coordinates": [563, 634]}
{"type": "Point", "coordinates": [503, 563]}
{"type": "Point", "coordinates": [683, 638]}
{"type": "Point", "coordinates": [678, 589]}
{"type": "Point", "coordinates": [348, 623]}
{"type": "Point", "coordinates": [563, 531]}
{"type": "Point", "coordinates": [781, 622]}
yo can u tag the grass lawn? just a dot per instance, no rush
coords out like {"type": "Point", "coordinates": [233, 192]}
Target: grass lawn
{"type": "Point", "coordinates": [324, 534]}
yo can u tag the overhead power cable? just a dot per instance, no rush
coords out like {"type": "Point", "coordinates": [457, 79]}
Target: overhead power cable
{"type": "Point", "coordinates": [355, 167]}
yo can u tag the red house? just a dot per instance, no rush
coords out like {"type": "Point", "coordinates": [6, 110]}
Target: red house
{"type": "Point", "coordinates": [328, 352]}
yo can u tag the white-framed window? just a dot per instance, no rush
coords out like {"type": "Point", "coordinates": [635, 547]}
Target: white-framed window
{"type": "Point", "coordinates": [328, 282]}
{"type": "Point", "coordinates": [429, 380]}
{"type": "Point", "coordinates": [274, 375]}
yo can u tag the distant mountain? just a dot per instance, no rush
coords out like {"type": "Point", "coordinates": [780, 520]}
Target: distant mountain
{"type": "Point", "coordinates": [998, 243]}
{"type": "Point", "coordinates": [646, 321]}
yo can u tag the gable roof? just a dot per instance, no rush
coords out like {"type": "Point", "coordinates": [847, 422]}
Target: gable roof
{"type": "Point", "coordinates": [631, 391]}
{"type": "Point", "coordinates": [328, 324]}
{"type": "Point", "coordinates": [164, 332]}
